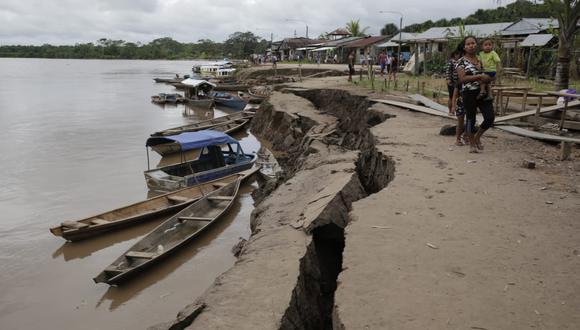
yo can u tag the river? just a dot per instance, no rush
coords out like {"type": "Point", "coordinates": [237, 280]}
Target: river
{"type": "Point", "coordinates": [72, 144]}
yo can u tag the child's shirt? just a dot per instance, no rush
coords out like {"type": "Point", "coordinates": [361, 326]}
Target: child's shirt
{"type": "Point", "coordinates": [489, 61]}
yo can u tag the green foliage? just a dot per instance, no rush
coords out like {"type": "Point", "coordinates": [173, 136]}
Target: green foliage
{"type": "Point", "coordinates": [389, 29]}
{"type": "Point", "coordinates": [353, 27]}
{"type": "Point", "coordinates": [239, 45]}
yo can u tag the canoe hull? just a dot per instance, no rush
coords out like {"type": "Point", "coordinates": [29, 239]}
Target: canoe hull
{"type": "Point", "coordinates": [115, 224]}
{"type": "Point", "coordinates": [206, 124]}
{"type": "Point", "coordinates": [186, 225]}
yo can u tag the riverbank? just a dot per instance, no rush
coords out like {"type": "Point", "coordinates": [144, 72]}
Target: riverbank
{"type": "Point", "coordinates": [381, 223]}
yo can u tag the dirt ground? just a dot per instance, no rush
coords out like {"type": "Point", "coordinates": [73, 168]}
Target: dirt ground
{"type": "Point", "coordinates": [455, 241]}
{"type": "Point", "coordinates": [460, 240]}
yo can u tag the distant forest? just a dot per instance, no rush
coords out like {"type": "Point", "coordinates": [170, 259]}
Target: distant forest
{"type": "Point", "coordinates": [239, 44]}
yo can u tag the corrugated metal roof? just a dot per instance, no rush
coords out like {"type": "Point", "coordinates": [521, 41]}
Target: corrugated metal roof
{"type": "Point", "coordinates": [364, 42]}
{"type": "Point", "coordinates": [336, 43]}
{"type": "Point", "coordinates": [339, 32]}
{"type": "Point", "coordinates": [394, 41]}
{"type": "Point", "coordinates": [537, 40]}
{"type": "Point", "coordinates": [479, 30]}
{"type": "Point", "coordinates": [530, 26]}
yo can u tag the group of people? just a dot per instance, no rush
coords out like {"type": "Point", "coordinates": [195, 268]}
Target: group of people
{"type": "Point", "coordinates": [388, 63]}
{"type": "Point", "coordinates": [469, 74]}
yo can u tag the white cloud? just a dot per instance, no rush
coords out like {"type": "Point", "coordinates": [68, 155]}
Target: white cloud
{"type": "Point", "coordinates": [79, 21]}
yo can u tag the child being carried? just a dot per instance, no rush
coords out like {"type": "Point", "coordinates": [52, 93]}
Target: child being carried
{"type": "Point", "coordinates": [491, 66]}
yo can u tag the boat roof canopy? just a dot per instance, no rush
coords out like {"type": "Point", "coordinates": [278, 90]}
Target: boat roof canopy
{"type": "Point", "coordinates": [197, 82]}
{"type": "Point", "coordinates": [193, 140]}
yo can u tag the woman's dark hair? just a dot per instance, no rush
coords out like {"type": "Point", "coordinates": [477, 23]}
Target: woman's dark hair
{"type": "Point", "coordinates": [461, 46]}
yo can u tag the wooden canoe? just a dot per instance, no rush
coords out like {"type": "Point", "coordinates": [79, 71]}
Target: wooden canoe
{"type": "Point", "coordinates": [172, 234]}
{"type": "Point", "coordinates": [141, 211]}
{"type": "Point", "coordinates": [206, 124]}
{"type": "Point", "coordinates": [228, 127]}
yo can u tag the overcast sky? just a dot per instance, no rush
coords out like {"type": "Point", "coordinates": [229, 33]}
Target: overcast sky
{"type": "Point", "coordinates": [79, 21]}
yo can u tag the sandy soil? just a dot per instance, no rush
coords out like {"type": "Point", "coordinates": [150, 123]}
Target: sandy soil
{"type": "Point", "coordinates": [464, 241]}
{"type": "Point", "coordinates": [455, 241]}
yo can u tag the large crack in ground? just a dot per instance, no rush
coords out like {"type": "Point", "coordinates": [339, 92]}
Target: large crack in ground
{"type": "Point", "coordinates": [313, 298]}
{"type": "Point", "coordinates": [323, 141]}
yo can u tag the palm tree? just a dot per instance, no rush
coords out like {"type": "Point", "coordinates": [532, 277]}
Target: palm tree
{"type": "Point", "coordinates": [568, 14]}
{"type": "Point", "coordinates": [353, 27]}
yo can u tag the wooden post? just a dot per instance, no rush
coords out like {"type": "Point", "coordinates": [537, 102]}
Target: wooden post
{"type": "Point", "coordinates": [418, 86]}
{"type": "Point", "coordinates": [395, 84]}
{"type": "Point", "coordinates": [423, 87]}
{"type": "Point", "coordinates": [564, 113]}
{"type": "Point", "coordinates": [500, 102]}
{"type": "Point", "coordinates": [407, 86]}
{"type": "Point", "coordinates": [372, 80]}
{"type": "Point", "coordinates": [529, 61]}
{"type": "Point", "coordinates": [565, 150]}
{"type": "Point", "coordinates": [537, 114]}
{"type": "Point", "coordinates": [300, 71]}
{"type": "Point", "coordinates": [386, 87]}
{"type": "Point", "coordinates": [525, 100]}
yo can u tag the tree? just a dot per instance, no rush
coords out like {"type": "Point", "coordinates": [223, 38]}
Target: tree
{"type": "Point", "coordinates": [353, 27]}
{"type": "Point", "coordinates": [241, 44]}
{"type": "Point", "coordinates": [568, 14]}
{"type": "Point", "coordinates": [389, 30]}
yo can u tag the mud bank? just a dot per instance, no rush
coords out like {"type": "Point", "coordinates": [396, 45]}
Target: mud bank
{"type": "Point", "coordinates": [286, 274]}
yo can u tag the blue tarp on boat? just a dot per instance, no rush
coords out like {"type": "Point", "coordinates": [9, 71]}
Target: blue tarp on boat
{"type": "Point", "coordinates": [193, 140]}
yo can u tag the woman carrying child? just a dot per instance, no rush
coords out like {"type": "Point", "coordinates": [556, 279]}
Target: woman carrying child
{"type": "Point", "coordinates": [471, 76]}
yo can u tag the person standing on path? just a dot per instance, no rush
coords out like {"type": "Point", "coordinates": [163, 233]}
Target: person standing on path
{"type": "Point", "coordinates": [350, 65]}
{"type": "Point", "coordinates": [451, 73]}
{"type": "Point", "coordinates": [471, 76]}
{"type": "Point", "coordinates": [383, 62]}
{"type": "Point", "coordinates": [394, 66]}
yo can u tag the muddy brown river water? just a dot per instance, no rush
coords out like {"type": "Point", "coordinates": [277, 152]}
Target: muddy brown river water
{"type": "Point", "coordinates": [72, 144]}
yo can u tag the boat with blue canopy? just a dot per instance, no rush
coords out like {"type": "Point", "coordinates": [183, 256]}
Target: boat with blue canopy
{"type": "Point", "coordinates": [220, 155]}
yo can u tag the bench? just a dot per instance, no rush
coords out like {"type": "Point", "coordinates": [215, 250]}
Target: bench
{"type": "Point", "coordinates": [220, 198]}
{"type": "Point", "coordinates": [195, 219]}
{"type": "Point", "coordinates": [99, 221]}
{"type": "Point", "coordinates": [74, 224]}
{"type": "Point", "coordinates": [140, 254]}
{"type": "Point", "coordinates": [177, 199]}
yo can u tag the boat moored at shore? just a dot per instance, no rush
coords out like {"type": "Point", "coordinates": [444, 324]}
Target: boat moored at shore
{"type": "Point", "coordinates": [220, 155]}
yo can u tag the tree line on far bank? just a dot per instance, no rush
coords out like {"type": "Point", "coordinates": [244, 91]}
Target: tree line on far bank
{"type": "Point", "coordinates": [238, 45]}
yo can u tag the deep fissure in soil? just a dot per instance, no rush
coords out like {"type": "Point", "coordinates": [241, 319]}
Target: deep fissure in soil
{"type": "Point", "coordinates": [312, 302]}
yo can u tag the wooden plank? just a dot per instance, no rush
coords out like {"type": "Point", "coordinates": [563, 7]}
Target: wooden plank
{"type": "Point", "coordinates": [537, 135]}
{"type": "Point", "coordinates": [533, 112]}
{"type": "Point", "coordinates": [139, 254]}
{"type": "Point", "coordinates": [74, 224]}
{"type": "Point", "coordinates": [413, 107]}
{"type": "Point", "coordinates": [220, 198]}
{"type": "Point", "coordinates": [194, 219]}
{"type": "Point", "coordinates": [572, 125]}
{"type": "Point", "coordinates": [178, 199]}
{"type": "Point", "coordinates": [99, 221]}
{"type": "Point", "coordinates": [429, 103]}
